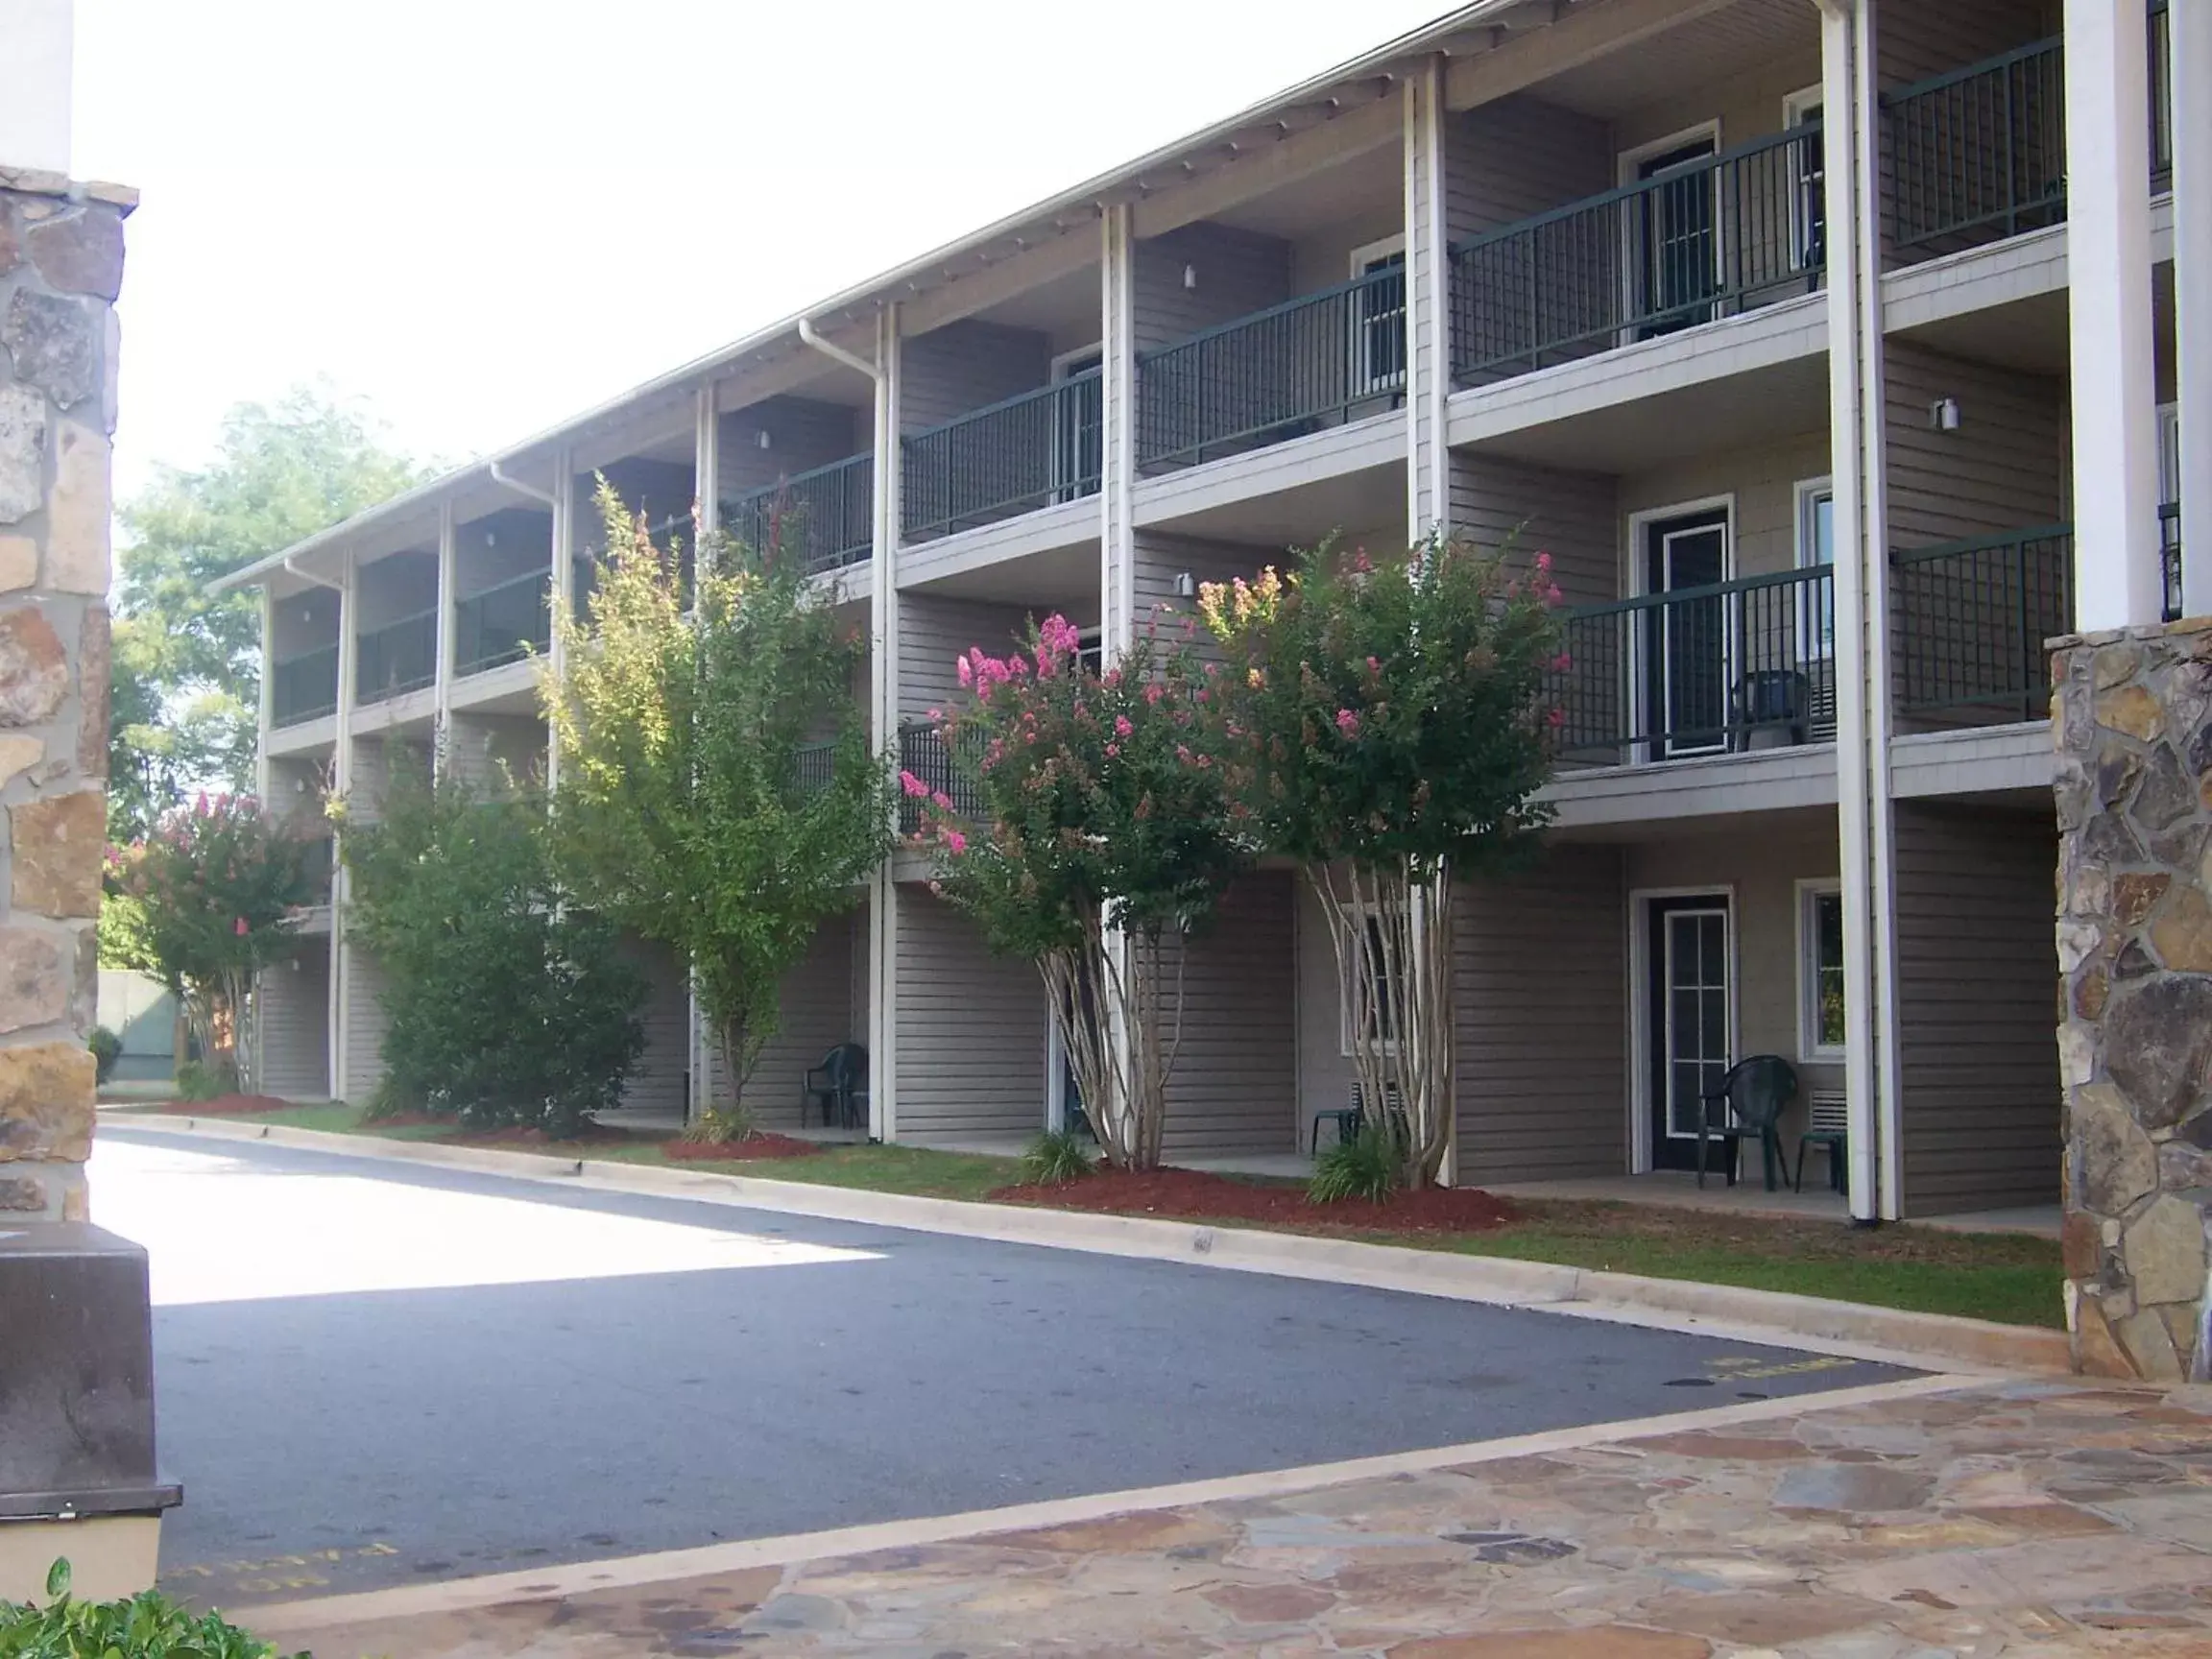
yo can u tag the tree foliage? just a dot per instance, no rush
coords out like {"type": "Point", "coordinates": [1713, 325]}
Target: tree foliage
{"type": "Point", "coordinates": [1386, 725]}
{"type": "Point", "coordinates": [203, 904]}
{"type": "Point", "coordinates": [1097, 841]}
{"type": "Point", "coordinates": [506, 1005]}
{"type": "Point", "coordinates": [716, 787]}
{"type": "Point", "coordinates": [186, 664]}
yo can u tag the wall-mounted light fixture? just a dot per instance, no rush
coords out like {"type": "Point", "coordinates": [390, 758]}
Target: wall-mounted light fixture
{"type": "Point", "coordinates": [491, 538]}
{"type": "Point", "coordinates": [1944, 415]}
{"type": "Point", "coordinates": [1189, 275]}
{"type": "Point", "coordinates": [762, 438]}
{"type": "Point", "coordinates": [1185, 585]}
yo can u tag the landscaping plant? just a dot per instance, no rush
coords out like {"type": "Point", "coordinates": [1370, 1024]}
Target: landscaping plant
{"type": "Point", "coordinates": [1365, 1166]}
{"type": "Point", "coordinates": [146, 1625]}
{"type": "Point", "coordinates": [717, 791]}
{"type": "Point", "coordinates": [1384, 723]}
{"type": "Point", "coordinates": [1056, 1157]}
{"type": "Point", "coordinates": [1097, 839]}
{"type": "Point", "coordinates": [204, 904]}
{"type": "Point", "coordinates": [507, 1004]}
{"type": "Point", "coordinates": [107, 1049]}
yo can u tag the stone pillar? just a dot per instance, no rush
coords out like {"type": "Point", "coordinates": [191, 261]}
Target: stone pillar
{"type": "Point", "coordinates": [60, 264]}
{"type": "Point", "coordinates": [2135, 790]}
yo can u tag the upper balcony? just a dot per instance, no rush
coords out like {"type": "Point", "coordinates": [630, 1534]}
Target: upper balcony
{"type": "Point", "coordinates": [303, 656]}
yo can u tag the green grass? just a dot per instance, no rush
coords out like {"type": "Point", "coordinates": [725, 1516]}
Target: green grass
{"type": "Point", "coordinates": [2010, 1279]}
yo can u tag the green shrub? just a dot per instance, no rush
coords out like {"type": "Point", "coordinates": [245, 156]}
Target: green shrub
{"type": "Point", "coordinates": [148, 1625]}
{"type": "Point", "coordinates": [1055, 1157]}
{"type": "Point", "coordinates": [107, 1049]}
{"type": "Point", "coordinates": [721, 1125]}
{"type": "Point", "coordinates": [507, 1005]}
{"type": "Point", "coordinates": [1365, 1166]}
{"type": "Point", "coordinates": [196, 1080]}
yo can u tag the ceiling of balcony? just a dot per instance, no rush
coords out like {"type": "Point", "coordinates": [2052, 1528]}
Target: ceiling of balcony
{"type": "Point", "coordinates": [1702, 54]}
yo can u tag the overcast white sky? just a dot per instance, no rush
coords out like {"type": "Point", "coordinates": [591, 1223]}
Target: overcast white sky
{"type": "Point", "coordinates": [486, 215]}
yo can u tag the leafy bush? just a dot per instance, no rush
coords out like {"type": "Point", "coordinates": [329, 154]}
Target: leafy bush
{"type": "Point", "coordinates": [196, 1080]}
{"type": "Point", "coordinates": [1365, 1166]}
{"type": "Point", "coordinates": [107, 1049]}
{"type": "Point", "coordinates": [1055, 1157]}
{"type": "Point", "coordinates": [721, 1125]}
{"type": "Point", "coordinates": [507, 1004]}
{"type": "Point", "coordinates": [148, 1625]}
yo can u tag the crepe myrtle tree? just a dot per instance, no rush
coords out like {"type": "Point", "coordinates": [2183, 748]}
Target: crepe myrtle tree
{"type": "Point", "coordinates": [1386, 723]}
{"type": "Point", "coordinates": [717, 791]}
{"type": "Point", "coordinates": [205, 902]}
{"type": "Point", "coordinates": [1095, 839]}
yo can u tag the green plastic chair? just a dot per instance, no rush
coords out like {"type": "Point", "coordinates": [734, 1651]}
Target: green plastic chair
{"type": "Point", "coordinates": [838, 1086]}
{"type": "Point", "coordinates": [1748, 1105]}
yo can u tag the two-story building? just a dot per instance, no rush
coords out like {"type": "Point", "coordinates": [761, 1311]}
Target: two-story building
{"type": "Point", "coordinates": [1755, 314]}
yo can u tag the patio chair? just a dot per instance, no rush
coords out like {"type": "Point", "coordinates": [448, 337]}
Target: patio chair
{"type": "Point", "coordinates": [1828, 1124]}
{"type": "Point", "coordinates": [836, 1086]}
{"type": "Point", "coordinates": [1748, 1105]}
{"type": "Point", "coordinates": [1772, 706]}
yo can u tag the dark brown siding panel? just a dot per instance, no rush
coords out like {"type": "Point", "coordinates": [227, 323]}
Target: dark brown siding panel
{"type": "Point", "coordinates": [971, 1030]}
{"type": "Point", "coordinates": [1234, 1084]}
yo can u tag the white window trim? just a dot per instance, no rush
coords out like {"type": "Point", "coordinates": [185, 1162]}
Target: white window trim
{"type": "Point", "coordinates": [1796, 103]}
{"type": "Point", "coordinates": [1807, 491]}
{"type": "Point", "coordinates": [1344, 992]}
{"type": "Point", "coordinates": [1368, 252]}
{"type": "Point", "coordinates": [1625, 163]}
{"type": "Point", "coordinates": [1641, 1037]}
{"type": "Point", "coordinates": [1369, 382]}
{"type": "Point", "coordinates": [1639, 585]}
{"type": "Point", "coordinates": [1810, 1049]}
{"type": "Point", "coordinates": [1066, 365]}
{"type": "Point", "coordinates": [1793, 115]}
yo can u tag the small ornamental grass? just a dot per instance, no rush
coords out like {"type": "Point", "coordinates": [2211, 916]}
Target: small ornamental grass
{"type": "Point", "coordinates": [1364, 1168]}
{"type": "Point", "coordinates": [148, 1625]}
{"type": "Point", "coordinates": [1056, 1157]}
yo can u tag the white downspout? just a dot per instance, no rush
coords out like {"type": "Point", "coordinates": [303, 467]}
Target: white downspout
{"type": "Point", "coordinates": [517, 486]}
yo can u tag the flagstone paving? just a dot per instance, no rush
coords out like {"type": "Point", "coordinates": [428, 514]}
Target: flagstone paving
{"type": "Point", "coordinates": [2028, 1520]}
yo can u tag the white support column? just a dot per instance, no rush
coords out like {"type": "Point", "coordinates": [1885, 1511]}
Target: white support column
{"type": "Point", "coordinates": [1857, 440]}
{"type": "Point", "coordinates": [707, 459]}
{"type": "Point", "coordinates": [561, 587]}
{"type": "Point", "coordinates": [342, 787]}
{"type": "Point", "coordinates": [448, 621]}
{"type": "Point", "coordinates": [1427, 306]}
{"type": "Point", "coordinates": [1118, 434]}
{"type": "Point", "coordinates": [267, 692]}
{"type": "Point", "coordinates": [883, 725]}
{"type": "Point", "coordinates": [2190, 26]}
{"type": "Point", "coordinates": [2117, 579]}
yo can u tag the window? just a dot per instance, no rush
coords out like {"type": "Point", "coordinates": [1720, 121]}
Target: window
{"type": "Point", "coordinates": [1379, 318]}
{"type": "Point", "coordinates": [1808, 182]}
{"type": "Point", "coordinates": [1091, 649]}
{"type": "Point", "coordinates": [1817, 551]}
{"type": "Point", "coordinates": [1819, 971]}
{"type": "Point", "coordinates": [1382, 1009]}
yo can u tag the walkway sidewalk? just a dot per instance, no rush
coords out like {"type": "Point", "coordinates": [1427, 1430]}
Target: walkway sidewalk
{"type": "Point", "coordinates": [2028, 1520]}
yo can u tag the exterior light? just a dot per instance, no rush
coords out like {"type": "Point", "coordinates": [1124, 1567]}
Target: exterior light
{"type": "Point", "coordinates": [1189, 275]}
{"type": "Point", "coordinates": [762, 439]}
{"type": "Point", "coordinates": [1185, 585]}
{"type": "Point", "coordinates": [1944, 415]}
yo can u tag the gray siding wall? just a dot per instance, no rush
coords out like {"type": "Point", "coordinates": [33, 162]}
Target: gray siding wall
{"type": "Point", "coordinates": [1977, 1007]}
{"type": "Point", "coordinates": [2003, 470]}
{"type": "Point", "coordinates": [1571, 516]}
{"type": "Point", "coordinates": [375, 762]}
{"type": "Point", "coordinates": [490, 753]}
{"type": "Point", "coordinates": [500, 547]}
{"type": "Point", "coordinates": [1235, 1088]}
{"type": "Point", "coordinates": [402, 585]}
{"type": "Point", "coordinates": [659, 1082]}
{"type": "Point", "coordinates": [658, 488]}
{"type": "Point", "coordinates": [1519, 157]}
{"type": "Point", "coordinates": [1539, 969]}
{"type": "Point", "coordinates": [934, 631]}
{"type": "Point", "coordinates": [362, 1010]}
{"type": "Point", "coordinates": [966, 365]}
{"type": "Point", "coordinates": [971, 1030]}
{"type": "Point", "coordinates": [302, 622]}
{"type": "Point", "coordinates": [804, 433]}
{"type": "Point", "coordinates": [817, 1013]}
{"type": "Point", "coordinates": [1748, 105]}
{"type": "Point", "coordinates": [1238, 272]}
{"type": "Point", "coordinates": [1325, 1075]}
{"type": "Point", "coordinates": [1917, 42]}
{"type": "Point", "coordinates": [295, 1023]}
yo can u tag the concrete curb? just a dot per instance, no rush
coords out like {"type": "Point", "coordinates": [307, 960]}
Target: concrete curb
{"type": "Point", "coordinates": [1852, 1329]}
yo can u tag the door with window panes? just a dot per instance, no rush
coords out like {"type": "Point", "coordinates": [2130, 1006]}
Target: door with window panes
{"type": "Point", "coordinates": [1690, 1002]}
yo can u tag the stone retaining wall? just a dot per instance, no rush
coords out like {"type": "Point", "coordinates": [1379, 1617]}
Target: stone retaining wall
{"type": "Point", "coordinates": [2133, 718]}
{"type": "Point", "coordinates": [60, 264]}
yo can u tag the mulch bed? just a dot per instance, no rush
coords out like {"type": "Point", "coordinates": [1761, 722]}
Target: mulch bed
{"type": "Point", "coordinates": [1199, 1197]}
{"type": "Point", "coordinates": [223, 1105]}
{"type": "Point", "coordinates": [752, 1148]}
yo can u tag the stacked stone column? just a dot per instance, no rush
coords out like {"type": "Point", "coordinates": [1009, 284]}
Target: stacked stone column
{"type": "Point", "coordinates": [61, 265]}
{"type": "Point", "coordinates": [2134, 796]}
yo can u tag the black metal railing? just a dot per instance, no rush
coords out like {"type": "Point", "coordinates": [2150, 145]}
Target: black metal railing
{"type": "Point", "coordinates": [1969, 619]}
{"type": "Point", "coordinates": [1023, 453]}
{"type": "Point", "coordinates": [827, 513]}
{"type": "Point", "coordinates": [1732, 666]}
{"type": "Point", "coordinates": [924, 753]}
{"type": "Point", "coordinates": [2161, 97]}
{"type": "Point", "coordinates": [304, 687]}
{"type": "Point", "coordinates": [397, 659]}
{"type": "Point", "coordinates": [1978, 153]}
{"type": "Point", "coordinates": [1709, 238]}
{"type": "Point", "coordinates": [502, 624]}
{"type": "Point", "coordinates": [2170, 557]}
{"type": "Point", "coordinates": [816, 764]}
{"type": "Point", "coordinates": [1315, 361]}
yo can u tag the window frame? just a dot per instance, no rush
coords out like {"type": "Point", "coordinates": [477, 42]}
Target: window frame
{"type": "Point", "coordinates": [1807, 494]}
{"type": "Point", "coordinates": [1367, 915]}
{"type": "Point", "coordinates": [1809, 895]}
